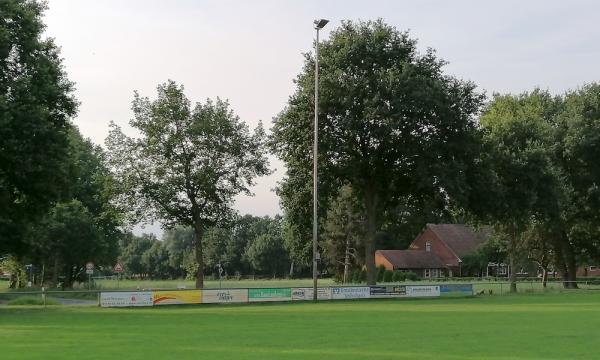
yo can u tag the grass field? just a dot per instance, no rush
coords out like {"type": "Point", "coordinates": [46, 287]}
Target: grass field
{"type": "Point", "coordinates": [525, 326]}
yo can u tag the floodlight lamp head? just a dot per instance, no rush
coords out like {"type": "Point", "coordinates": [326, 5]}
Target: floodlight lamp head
{"type": "Point", "coordinates": [320, 23]}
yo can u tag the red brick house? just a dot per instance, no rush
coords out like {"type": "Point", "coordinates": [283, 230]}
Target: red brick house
{"type": "Point", "coordinates": [588, 271]}
{"type": "Point", "coordinates": [436, 252]}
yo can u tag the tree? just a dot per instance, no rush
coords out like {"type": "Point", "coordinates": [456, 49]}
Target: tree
{"type": "Point", "coordinates": [343, 233]}
{"type": "Point", "coordinates": [36, 103]}
{"type": "Point", "coordinates": [188, 163]}
{"type": "Point", "coordinates": [522, 183]}
{"type": "Point", "coordinates": [178, 241]}
{"type": "Point", "coordinates": [392, 124]}
{"type": "Point", "coordinates": [267, 253]}
{"type": "Point", "coordinates": [132, 252]}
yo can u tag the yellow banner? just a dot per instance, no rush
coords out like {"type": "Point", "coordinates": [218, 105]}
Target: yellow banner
{"type": "Point", "coordinates": [175, 297]}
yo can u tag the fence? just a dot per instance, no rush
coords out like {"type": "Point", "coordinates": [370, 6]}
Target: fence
{"type": "Point", "coordinates": [157, 297]}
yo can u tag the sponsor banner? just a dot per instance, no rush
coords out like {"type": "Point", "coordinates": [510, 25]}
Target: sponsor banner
{"type": "Point", "coordinates": [123, 299]}
{"type": "Point", "coordinates": [274, 294]}
{"type": "Point", "coordinates": [176, 297]}
{"type": "Point", "coordinates": [307, 294]}
{"type": "Point", "coordinates": [224, 296]}
{"type": "Point", "coordinates": [357, 292]}
{"type": "Point", "coordinates": [388, 291]}
{"type": "Point", "coordinates": [423, 290]}
{"type": "Point", "coordinates": [456, 290]}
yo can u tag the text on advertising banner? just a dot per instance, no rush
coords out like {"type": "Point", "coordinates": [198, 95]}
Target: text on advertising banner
{"type": "Point", "coordinates": [274, 294]}
{"type": "Point", "coordinates": [456, 290]}
{"type": "Point", "coordinates": [358, 292]}
{"type": "Point", "coordinates": [222, 296]}
{"type": "Point", "coordinates": [176, 297]}
{"type": "Point", "coordinates": [388, 291]}
{"type": "Point", "coordinates": [307, 293]}
{"type": "Point", "coordinates": [423, 290]}
{"type": "Point", "coordinates": [124, 299]}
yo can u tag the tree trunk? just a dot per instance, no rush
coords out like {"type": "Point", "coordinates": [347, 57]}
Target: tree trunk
{"type": "Point", "coordinates": [513, 275]}
{"type": "Point", "coordinates": [371, 209]}
{"type": "Point", "coordinates": [346, 260]}
{"type": "Point", "coordinates": [198, 232]}
{"type": "Point", "coordinates": [292, 269]}
{"type": "Point", "coordinates": [570, 263]}
{"type": "Point", "coordinates": [544, 277]}
{"type": "Point", "coordinates": [55, 273]}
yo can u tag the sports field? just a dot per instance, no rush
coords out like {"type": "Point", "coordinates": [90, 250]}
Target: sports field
{"type": "Point", "coordinates": [532, 326]}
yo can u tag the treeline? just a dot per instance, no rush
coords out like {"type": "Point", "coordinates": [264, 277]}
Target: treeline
{"type": "Point", "coordinates": [401, 143]}
{"type": "Point", "coordinates": [248, 246]}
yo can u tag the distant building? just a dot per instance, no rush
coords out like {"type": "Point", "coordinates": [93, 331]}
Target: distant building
{"type": "Point", "coordinates": [588, 271]}
{"type": "Point", "coordinates": [437, 252]}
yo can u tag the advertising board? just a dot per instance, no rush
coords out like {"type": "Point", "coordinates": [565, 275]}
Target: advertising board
{"type": "Point", "coordinates": [299, 294]}
{"type": "Point", "coordinates": [456, 290]}
{"type": "Point", "coordinates": [223, 296]}
{"type": "Point", "coordinates": [422, 290]}
{"type": "Point", "coordinates": [388, 291]}
{"type": "Point", "coordinates": [176, 297]}
{"type": "Point", "coordinates": [273, 294]}
{"type": "Point", "coordinates": [125, 299]}
{"type": "Point", "coordinates": [357, 292]}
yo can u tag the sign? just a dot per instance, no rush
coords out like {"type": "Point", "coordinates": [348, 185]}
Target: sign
{"type": "Point", "coordinates": [89, 268]}
{"type": "Point", "coordinates": [356, 292]}
{"type": "Point", "coordinates": [388, 291]}
{"type": "Point", "coordinates": [456, 290]}
{"type": "Point", "coordinates": [307, 294]}
{"type": "Point", "coordinates": [118, 268]}
{"type": "Point", "coordinates": [125, 299]}
{"type": "Point", "coordinates": [222, 296]}
{"type": "Point", "coordinates": [423, 290]}
{"type": "Point", "coordinates": [274, 294]}
{"type": "Point", "coordinates": [176, 297]}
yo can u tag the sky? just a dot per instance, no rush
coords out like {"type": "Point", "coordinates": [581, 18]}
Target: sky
{"type": "Point", "coordinates": [249, 52]}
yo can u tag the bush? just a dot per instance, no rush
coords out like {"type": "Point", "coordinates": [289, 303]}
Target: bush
{"type": "Point", "coordinates": [355, 276]}
{"type": "Point", "coordinates": [31, 300]}
{"type": "Point", "coordinates": [398, 276]}
{"type": "Point", "coordinates": [363, 276]}
{"type": "Point", "coordinates": [380, 272]}
{"type": "Point", "coordinates": [410, 276]}
{"type": "Point", "coordinates": [387, 276]}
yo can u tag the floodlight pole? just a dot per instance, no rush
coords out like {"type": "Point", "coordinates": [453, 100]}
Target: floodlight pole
{"type": "Point", "coordinates": [319, 24]}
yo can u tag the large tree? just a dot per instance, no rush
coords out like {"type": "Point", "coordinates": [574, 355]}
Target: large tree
{"type": "Point", "coordinates": [36, 103]}
{"type": "Point", "coordinates": [188, 163]}
{"type": "Point", "coordinates": [392, 124]}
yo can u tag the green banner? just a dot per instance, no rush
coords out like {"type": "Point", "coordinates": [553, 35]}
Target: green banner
{"type": "Point", "coordinates": [272, 294]}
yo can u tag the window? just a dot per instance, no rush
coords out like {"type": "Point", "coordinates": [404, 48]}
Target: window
{"type": "Point", "coordinates": [593, 268]}
{"type": "Point", "coordinates": [427, 273]}
{"type": "Point", "coordinates": [428, 246]}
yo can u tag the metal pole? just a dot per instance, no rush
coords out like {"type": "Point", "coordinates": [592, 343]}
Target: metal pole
{"type": "Point", "coordinates": [315, 156]}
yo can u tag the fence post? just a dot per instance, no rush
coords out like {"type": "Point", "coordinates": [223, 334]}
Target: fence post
{"type": "Point", "coordinates": [501, 293]}
{"type": "Point", "coordinates": [44, 296]}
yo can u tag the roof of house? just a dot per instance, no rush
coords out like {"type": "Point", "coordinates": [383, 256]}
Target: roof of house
{"type": "Point", "coordinates": [412, 259]}
{"type": "Point", "coordinates": [461, 239]}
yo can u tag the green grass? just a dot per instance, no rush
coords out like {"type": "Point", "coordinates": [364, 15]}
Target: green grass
{"type": "Point", "coordinates": [525, 326]}
{"type": "Point", "coordinates": [31, 300]}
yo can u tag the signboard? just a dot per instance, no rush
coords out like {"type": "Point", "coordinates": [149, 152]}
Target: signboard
{"type": "Point", "coordinates": [388, 291]}
{"type": "Point", "coordinates": [307, 294]}
{"type": "Point", "coordinates": [456, 290]}
{"type": "Point", "coordinates": [423, 290]}
{"type": "Point", "coordinates": [224, 296]}
{"type": "Point", "coordinates": [358, 292]}
{"type": "Point", "coordinates": [176, 297]}
{"type": "Point", "coordinates": [89, 268]}
{"type": "Point", "coordinates": [274, 294]}
{"type": "Point", "coordinates": [124, 299]}
{"type": "Point", "coordinates": [118, 268]}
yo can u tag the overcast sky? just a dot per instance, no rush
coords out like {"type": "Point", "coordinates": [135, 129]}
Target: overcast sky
{"type": "Point", "coordinates": [250, 51]}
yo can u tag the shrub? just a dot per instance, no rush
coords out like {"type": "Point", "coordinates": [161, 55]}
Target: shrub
{"type": "Point", "coordinates": [380, 272]}
{"type": "Point", "coordinates": [387, 276]}
{"type": "Point", "coordinates": [398, 276]}
{"type": "Point", "coordinates": [355, 276]}
{"type": "Point", "coordinates": [410, 276]}
{"type": "Point", "coordinates": [363, 276]}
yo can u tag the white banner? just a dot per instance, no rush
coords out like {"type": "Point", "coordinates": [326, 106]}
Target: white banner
{"type": "Point", "coordinates": [224, 296]}
{"type": "Point", "coordinates": [307, 293]}
{"type": "Point", "coordinates": [124, 299]}
{"type": "Point", "coordinates": [362, 292]}
{"type": "Point", "coordinates": [422, 291]}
